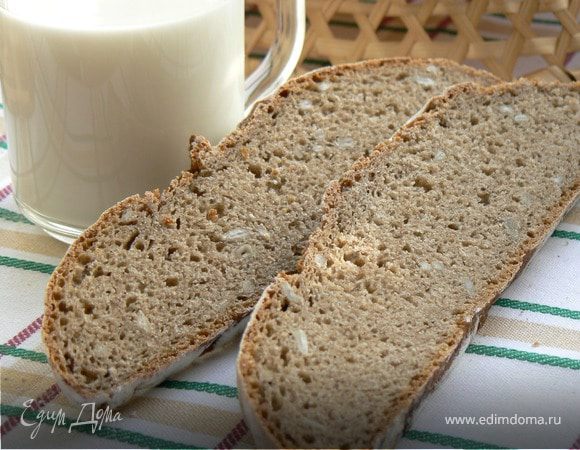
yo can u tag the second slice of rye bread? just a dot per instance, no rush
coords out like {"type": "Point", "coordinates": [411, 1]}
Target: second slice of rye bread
{"type": "Point", "coordinates": [161, 276]}
{"type": "Point", "coordinates": [415, 244]}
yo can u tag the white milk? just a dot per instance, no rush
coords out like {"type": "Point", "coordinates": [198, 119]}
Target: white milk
{"type": "Point", "coordinates": [101, 96]}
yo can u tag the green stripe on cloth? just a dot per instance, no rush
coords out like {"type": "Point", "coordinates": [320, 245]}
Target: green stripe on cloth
{"type": "Point", "coordinates": [26, 265]}
{"type": "Point", "coordinates": [536, 307]}
{"type": "Point", "coordinates": [107, 432]}
{"type": "Point", "coordinates": [13, 216]}
{"type": "Point", "coordinates": [566, 235]}
{"type": "Point", "coordinates": [534, 20]}
{"type": "Point", "coordinates": [3, 145]}
{"type": "Point", "coordinates": [510, 353]}
{"type": "Point", "coordinates": [318, 62]}
{"type": "Point", "coordinates": [22, 353]}
{"type": "Point", "coordinates": [445, 440]}
{"type": "Point", "coordinates": [212, 388]}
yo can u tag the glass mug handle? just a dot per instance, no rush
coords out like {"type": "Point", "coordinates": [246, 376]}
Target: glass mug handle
{"type": "Point", "coordinates": [281, 59]}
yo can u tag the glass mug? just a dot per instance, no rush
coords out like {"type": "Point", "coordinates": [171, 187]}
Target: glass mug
{"type": "Point", "coordinates": [101, 96]}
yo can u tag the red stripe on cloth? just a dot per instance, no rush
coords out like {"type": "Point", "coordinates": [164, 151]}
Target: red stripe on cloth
{"type": "Point", "coordinates": [440, 26]}
{"type": "Point", "coordinates": [26, 333]}
{"type": "Point", "coordinates": [386, 20]}
{"type": "Point", "coordinates": [233, 437]}
{"type": "Point", "coordinates": [41, 401]}
{"type": "Point", "coordinates": [5, 192]}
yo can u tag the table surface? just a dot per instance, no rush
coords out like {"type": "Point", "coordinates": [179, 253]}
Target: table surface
{"type": "Point", "coordinates": [524, 361]}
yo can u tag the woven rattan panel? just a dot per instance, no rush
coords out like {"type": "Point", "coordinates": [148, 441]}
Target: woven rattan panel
{"type": "Point", "coordinates": [352, 30]}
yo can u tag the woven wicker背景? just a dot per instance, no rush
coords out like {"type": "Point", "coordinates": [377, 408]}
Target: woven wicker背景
{"type": "Point", "coordinates": [494, 34]}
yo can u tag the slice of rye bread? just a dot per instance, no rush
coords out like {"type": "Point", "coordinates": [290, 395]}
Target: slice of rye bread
{"type": "Point", "coordinates": [415, 244]}
{"type": "Point", "coordinates": [160, 277]}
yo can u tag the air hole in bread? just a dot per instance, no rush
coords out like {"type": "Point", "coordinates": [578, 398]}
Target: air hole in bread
{"type": "Point", "coordinates": [256, 170]}
{"type": "Point", "coordinates": [355, 258]}
{"type": "Point", "coordinates": [284, 355]}
{"type": "Point", "coordinates": [171, 281]}
{"type": "Point", "coordinates": [89, 375]}
{"type": "Point", "coordinates": [88, 308]}
{"type": "Point", "coordinates": [131, 239]}
{"type": "Point", "coordinates": [275, 402]}
{"type": "Point", "coordinates": [196, 190]}
{"type": "Point", "coordinates": [424, 182]}
{"type": "Point", "coordinates": [195, 257]}
{"type": "Point", "coordinates": [483, 198]}
{"type": "Point", "coordinates": [84, 259]}
{"type": "Point", "coordinates": [305, 377]}
{"type": "Point", "coordinates": [170, 252]}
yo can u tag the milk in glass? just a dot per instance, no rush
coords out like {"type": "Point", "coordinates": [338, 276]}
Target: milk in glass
{"type": "Point", "coordinates": [101, 96]}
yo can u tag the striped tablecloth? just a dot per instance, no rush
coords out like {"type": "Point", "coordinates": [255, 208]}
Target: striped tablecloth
{"type": "Point", "coordinates": [521, 369]}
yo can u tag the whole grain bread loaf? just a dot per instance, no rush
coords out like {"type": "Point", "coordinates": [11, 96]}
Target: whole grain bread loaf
{"type": "Point", "coordinates": [416, 243]}
{"type": "Point", "coordinates": [161, 276]}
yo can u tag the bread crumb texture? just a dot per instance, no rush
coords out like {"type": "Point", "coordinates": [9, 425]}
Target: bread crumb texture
{"type": "Point", "coordinates": [416, 241]}
{"type": "Point", "coordinates": [162, 274]}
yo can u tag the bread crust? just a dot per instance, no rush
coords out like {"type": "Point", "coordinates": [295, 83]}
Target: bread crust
{"type": "Point", "coordinates": [200, 148]}
{"type": "Point", "coordinates": [427, 380]}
